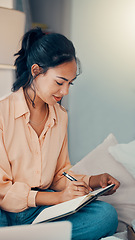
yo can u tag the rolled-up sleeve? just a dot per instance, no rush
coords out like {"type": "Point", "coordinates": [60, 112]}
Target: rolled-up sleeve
{"type": "Point", "coordinates": [14, 197]}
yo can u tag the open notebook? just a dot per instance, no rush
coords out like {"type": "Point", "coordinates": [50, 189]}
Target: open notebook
{"type": "Point", "coordinates": [69, 207]}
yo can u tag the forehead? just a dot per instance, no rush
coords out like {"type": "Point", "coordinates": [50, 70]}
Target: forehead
{"type": "Point", "coordinates": [67, 70]}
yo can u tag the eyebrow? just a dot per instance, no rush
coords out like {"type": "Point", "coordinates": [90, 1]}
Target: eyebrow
{"type": "Point", "coordinates": [65, 79]}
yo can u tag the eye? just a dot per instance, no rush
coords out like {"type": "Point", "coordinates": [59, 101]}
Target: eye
{"type": "Point", "coordinates": [60, 84]}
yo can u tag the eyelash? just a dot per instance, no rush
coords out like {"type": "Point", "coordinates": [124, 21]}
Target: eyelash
{"type": "Point", "coordinates": [60, 84]}
{"type": "Point", "coordinates": [71, 83]}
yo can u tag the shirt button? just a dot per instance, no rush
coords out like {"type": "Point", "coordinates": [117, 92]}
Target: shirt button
{"type": "Point", "coordinates": [49, 125]}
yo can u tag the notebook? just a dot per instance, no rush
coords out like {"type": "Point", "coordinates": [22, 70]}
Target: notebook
{"type": "Point", "coordinates": [69, 207]}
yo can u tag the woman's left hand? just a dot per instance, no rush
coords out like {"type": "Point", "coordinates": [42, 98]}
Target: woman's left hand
{"type": "Point", "coordinates": [103, 180]}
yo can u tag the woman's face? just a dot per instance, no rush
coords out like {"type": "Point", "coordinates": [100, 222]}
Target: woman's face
{"type": "Point", "coordinates": [54, 84]}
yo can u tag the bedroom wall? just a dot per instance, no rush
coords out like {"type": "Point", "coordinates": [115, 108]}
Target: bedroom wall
{"type": "Point", "coordinates": [56, 14]}
{"type": "Point", "coordinates": [102, 99]}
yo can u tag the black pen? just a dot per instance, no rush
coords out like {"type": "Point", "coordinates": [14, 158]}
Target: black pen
{"type": "Point", "coordinates": [69, 176]}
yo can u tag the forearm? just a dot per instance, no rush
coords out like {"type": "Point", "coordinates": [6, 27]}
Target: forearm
{"type": "Point", "coordinates": [48, 198]}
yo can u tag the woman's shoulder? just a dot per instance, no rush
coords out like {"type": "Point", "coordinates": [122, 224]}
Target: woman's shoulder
{"type": "Point", "coordinates": [5, 100]}
{"type": "Point", "coordinates": [5, 109]}
{"type": "Point", "coordinates": [11, 98]}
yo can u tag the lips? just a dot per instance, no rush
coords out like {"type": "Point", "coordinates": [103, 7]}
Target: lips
{"type": "Point", "coordinates": [57, 99]}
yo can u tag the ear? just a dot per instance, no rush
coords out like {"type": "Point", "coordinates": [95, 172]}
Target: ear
{"type": "Point", "coordinates": [35, 70]}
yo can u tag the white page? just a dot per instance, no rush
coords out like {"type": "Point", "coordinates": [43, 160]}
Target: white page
{"type": "Point", "coordinates": [59, 209]}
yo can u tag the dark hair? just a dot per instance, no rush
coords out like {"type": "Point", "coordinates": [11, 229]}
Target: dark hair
{"type": "Point", "coordinates": [45, 50]}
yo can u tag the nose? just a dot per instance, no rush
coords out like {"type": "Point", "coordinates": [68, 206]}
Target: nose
{"type": "Point", "coordinates": [65, 90]}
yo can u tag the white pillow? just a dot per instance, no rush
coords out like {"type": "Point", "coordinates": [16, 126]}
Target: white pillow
{"type": "Point", "coordinates": [100, 161]}
{"type": "Point", "coordinates": [125, 154]}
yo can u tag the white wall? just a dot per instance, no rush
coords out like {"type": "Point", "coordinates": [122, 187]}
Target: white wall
{"type": "Point", "coordinates": [6, 3]}
{"type": "Point", "coordinates": [48, 12]}
{"type": "Point", "coordinates": [103, 98]}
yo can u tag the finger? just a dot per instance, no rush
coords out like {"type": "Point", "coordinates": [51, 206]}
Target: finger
{"type": "Point", "coordinates": [85, 189]}
{"type": "Point", "coordinates": [114, 181]}
{"type": "Point", "coordinates": [80, 183]}
{"type": "Point", "coordinates": [83, 184]}
{"type": "Point", "coordinates": [82, 189]}
{"type": "Point", "coordinates": [79, 194]}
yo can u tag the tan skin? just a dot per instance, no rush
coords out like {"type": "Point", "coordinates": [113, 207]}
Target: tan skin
{"type": "Point", "coordinates": [50, 87]}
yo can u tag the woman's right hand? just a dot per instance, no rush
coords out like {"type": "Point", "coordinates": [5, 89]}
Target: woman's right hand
{"type": "Point", "coordinates": [73, 190]}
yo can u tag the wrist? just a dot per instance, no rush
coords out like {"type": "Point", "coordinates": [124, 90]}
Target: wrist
{"type": "Point", "coordinates": [94, 181]}
{"type": "Point", "coordinates": [48, 198]}
{"type": "Point", "coordinates": [91, 182]}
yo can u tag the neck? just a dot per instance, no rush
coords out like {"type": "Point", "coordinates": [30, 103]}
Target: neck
{"type": "Point", "coordinates": [30, 96]}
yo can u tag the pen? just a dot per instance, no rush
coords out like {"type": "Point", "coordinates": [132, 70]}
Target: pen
{"type": "Point", "coordinates": [69, 176]}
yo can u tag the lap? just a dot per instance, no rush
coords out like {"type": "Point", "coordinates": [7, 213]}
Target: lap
{"type": "Point", "coordinates": [97, 219]}
{"type": "Point", "coordinates": [21, 218]}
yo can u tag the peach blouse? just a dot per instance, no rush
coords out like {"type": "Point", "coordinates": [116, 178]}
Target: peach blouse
{"type": "Point", "coordinates": [27, 161]}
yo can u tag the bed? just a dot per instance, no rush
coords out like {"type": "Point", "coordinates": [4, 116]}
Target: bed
{"type": "Point", "coordinates": [119, 161]}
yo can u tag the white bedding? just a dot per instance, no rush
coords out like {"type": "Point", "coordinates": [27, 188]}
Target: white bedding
{"type": "Point", "coordinates": [117, 236]}
{"type": "Point", "coordinates": [125, 154]}
{"type": "Point", "coordinates": [99, 161]}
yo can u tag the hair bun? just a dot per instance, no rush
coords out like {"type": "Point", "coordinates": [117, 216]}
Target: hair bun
{"type": "Point", "coordinates": [29, 38]}
{"type": "Point", "coordinates": [32, 36]}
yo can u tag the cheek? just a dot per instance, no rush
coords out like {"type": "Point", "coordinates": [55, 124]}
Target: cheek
{"type": "Point", "coordinates": [46, 87]}
{"type": "Point", "coordinates": [41, 86]}
{"type": "Point", "coordinates": [51, 88]}
{"type": "Point", "coordinates": [46, 91]}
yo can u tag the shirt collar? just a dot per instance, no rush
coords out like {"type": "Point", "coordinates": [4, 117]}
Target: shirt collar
{"type": "Point", "coordinates": [52, 117]}
{"type": "Point", "coordinates": [21, 108]}
{"type": "Point", "coordinates": [20, 104]}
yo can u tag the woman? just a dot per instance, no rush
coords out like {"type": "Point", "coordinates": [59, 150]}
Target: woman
{"type": "Point", "coordinates": [33, 144]}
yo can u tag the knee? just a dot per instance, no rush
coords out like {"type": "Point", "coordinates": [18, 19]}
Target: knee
{"type": "Point", "coordinates": [110, 218]}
